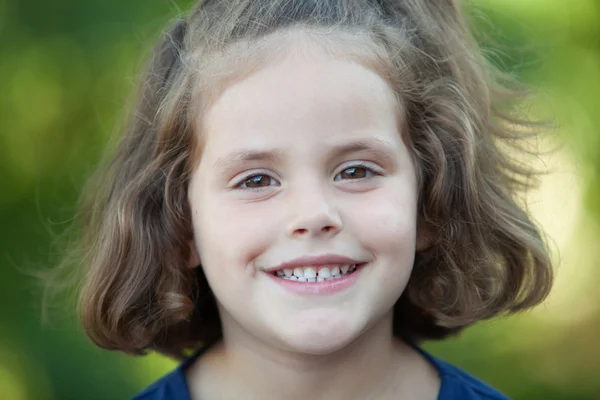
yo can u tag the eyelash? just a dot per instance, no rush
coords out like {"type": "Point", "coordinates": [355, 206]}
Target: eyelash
{"type": "Point", "coordinates": [358, 165]}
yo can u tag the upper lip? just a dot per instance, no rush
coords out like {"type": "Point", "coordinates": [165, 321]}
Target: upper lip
{"type": "Point", "coordinates": [305, 261]}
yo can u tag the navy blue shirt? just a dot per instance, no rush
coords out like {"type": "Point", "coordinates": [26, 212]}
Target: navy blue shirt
{"type": "Point", "coordinates": [456, 384]}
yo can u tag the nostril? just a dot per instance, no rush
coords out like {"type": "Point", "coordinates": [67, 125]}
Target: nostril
{"type": "Point", "coordinates": [301, 231]}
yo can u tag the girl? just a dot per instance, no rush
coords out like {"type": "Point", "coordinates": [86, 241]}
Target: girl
{"type": "Point", "coordinates": [306, 191]}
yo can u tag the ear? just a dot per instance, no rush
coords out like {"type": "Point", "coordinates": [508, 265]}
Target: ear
{"type": "Point", "coordinates": [194, 259]}
{"type": "Point", "coordinates": [425, 236]}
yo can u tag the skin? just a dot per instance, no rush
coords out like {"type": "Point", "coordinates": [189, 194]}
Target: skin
{"type": "Point", "coordinates": [309, 194]}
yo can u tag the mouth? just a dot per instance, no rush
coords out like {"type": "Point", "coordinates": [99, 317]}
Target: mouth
{"type": "Point", "coordinates": [317, 273]}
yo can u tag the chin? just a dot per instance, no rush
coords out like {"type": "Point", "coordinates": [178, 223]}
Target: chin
{"type": "Point", "coordinates": [318, 335]}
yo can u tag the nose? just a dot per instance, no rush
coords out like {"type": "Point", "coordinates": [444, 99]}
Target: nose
{"type": "Point", "coordinates": [313, 213]}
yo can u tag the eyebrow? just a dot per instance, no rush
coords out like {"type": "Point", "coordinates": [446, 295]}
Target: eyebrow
{"type": "Point", "coordinates": [377, 148]}
{"type": "Point", "coordinates": [236, 158]}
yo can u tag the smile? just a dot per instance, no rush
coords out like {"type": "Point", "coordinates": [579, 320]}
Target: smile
{"type": "Point", "coordinates": [316, 273]}
{"type": "Point", "coordinates": [326, 279]}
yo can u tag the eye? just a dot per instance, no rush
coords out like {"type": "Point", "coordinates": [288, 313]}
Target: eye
{"type": "Point", "coordinates": [256, 182]}
{"type": "Point", "coordinates": [355, 172]}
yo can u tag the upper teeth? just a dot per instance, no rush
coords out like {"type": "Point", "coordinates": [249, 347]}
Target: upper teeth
{"type": "Point", "coordinates": [316, 273]}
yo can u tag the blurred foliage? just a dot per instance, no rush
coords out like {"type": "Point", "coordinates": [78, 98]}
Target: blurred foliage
{"type": "Point", "coordinates": [67, 69]}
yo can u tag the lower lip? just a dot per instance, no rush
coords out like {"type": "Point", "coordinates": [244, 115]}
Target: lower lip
{"type": "Point", "coordinates": [319, 288]}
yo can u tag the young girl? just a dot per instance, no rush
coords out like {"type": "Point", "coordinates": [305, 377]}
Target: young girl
{"type": "Point", "coordinates": [307, 190]}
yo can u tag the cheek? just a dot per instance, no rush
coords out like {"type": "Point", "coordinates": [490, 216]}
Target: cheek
{"type": "Point", "coordinates": [387, 219]}
{"type": "Point", "coordinates": [244, 222]}
{"type": "Point", "coordinates": [230, 232]}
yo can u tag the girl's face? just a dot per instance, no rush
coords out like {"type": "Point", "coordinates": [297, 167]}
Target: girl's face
{"type": "Point", "coordinates": [303, 164]}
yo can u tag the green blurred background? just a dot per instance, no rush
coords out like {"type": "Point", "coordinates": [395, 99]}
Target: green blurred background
{"type": "Point", "coordinates": [66, 71]}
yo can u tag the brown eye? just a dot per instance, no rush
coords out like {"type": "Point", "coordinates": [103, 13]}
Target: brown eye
{"type": "Point", "coordinates": [354, 173]}
{"type": "Point", "coordinates": [257, 181]}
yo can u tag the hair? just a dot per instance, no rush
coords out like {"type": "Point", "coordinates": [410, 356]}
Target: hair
{"type": "Point", "coordinates": [486, 256]}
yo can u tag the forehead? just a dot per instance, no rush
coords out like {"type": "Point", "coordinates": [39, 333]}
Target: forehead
{"type": "Point", "coordinates": [219, 69]}
{"type": "Point", "coordinates": [306, 93]}
{"type": "Point", "coordinates": [296, 89]}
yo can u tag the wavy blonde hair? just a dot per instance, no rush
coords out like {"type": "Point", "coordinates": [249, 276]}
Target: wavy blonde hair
{"type": "Point", "coordinates": [486, 255]}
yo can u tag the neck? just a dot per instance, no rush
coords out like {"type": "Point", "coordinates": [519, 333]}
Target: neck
{"type": "Point", "coordinates": [375, 365]}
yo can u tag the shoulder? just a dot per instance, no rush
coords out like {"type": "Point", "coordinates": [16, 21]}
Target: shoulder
{"type": "Point", "coordinates": [458, 384]}
{"type": "Point", "coordinates": [174, 385]}
{"type": "Point", "coordinates": [170, 387]}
